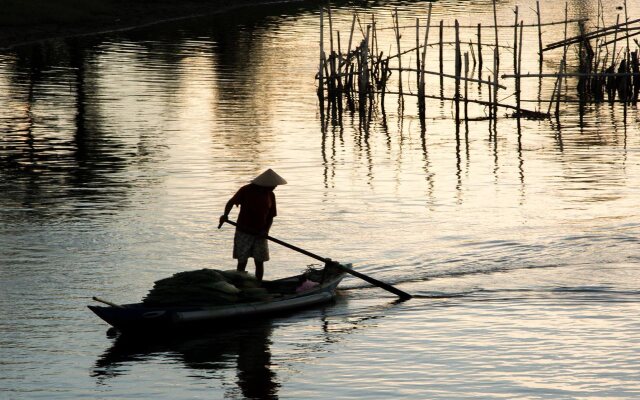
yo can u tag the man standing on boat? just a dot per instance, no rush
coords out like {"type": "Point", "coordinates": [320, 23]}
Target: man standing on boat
{"type": "Point", "coordinates": [257, 209]}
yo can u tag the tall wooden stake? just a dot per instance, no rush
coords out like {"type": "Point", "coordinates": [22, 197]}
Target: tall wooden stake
{"type": "Point", "coordinates": [515, 45]}
{"type": "Point", "coordinates": [563, 66]}
{"type": "Point", "coordinates": [399, 54]}
{"type": "Point", "coordinates": [495, 82]}
{"type": "Point", "coordinates": [615, 41]}
{"type": "Point", "coordinates": [519, 64]}
{"type": "Point", "coordinates": [479, 51]}
{"type": "Point", "coordinates": [495, 25]}
{"type": "Point", "coordinates": [332, 63]}
{"type": "Point", "coordinates": [321, 67]}
{"type": "Point", "coordinates": [424, 50]}
{"type": "Point", "coordinates": [540, 53]}
{"type": "Point", "coordinates": [466, 86]}
{"type": "Point", "coordinates": [418, 74]}
{"type": "Point", "coordinates": [564, 55]}
{"type": "Point", "coordinates": [515, 65]}
{"type": "Point", "coordinates": [496, 59]}
{"type": "Point", "coordinates": [458, 67]}
{"type": "Point", "coordinates": [441, 56]}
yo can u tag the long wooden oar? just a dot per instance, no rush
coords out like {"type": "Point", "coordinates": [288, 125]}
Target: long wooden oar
{"type": "Point", "coordinates": [375, 282]}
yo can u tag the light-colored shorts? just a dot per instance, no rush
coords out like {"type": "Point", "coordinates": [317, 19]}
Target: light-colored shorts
{"type": "Point", "coordinates": [246, 245]}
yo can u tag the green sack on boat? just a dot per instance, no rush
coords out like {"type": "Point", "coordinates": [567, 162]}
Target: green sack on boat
{"type": "Point", "coordinates": [225, 287]}
{"type": "Point", "coordinates": [205, 287]}
{"type": "Point", "coordinates": [186, 278]}
{"type": "Point", "coordinates": [239, 278]}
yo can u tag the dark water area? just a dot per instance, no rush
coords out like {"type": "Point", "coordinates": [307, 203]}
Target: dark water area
{"type": "Point", "coordinates": [119, 151]}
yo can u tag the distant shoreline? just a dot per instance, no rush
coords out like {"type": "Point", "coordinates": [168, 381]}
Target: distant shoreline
{"type": "Point", "coordinates": [29, 27]}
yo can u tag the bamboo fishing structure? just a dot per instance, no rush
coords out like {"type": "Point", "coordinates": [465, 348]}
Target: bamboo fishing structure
{"type": "Point", "coordinates": [360, 76]}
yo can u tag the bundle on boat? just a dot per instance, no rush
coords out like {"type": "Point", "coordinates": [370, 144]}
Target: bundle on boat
{"type": "Point", "coordinates": [206, 287]}
{"type": "Point", "coordinates": [212, 287]}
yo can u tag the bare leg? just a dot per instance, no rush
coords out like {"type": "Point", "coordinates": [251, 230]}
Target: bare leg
{"type": "Point", "coordinates": [242, 265]}
{"type": "Point", "coordinates": [259, 270]}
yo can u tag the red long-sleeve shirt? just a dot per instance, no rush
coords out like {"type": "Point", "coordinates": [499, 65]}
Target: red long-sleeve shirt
{"type": "Point", "coordinates": [257, 208]}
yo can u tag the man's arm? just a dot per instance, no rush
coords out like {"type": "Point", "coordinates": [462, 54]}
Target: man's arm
{"type": "Point", "coordinates": [227, 209]}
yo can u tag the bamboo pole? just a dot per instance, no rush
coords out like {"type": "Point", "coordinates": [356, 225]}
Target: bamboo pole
{"type": "Point", "coordinates": [365, 59]}
{"type": "Point", "coordinates": [519, 64]}
{"type": "Point", "coordinates": [490, 82]}
{"type": "Point", "coordinates": [479, 50]}
{"type": "Point", "coordinates": [466, 86]}
{"type": "Point", "coordinates": [458, 54]}
{"type": "Point", "coordinates": [330, 29]}
{"type": "Point", "coordinates": [615, 41]}
{"type": "Point", "coordinates": [626, 19]}
{"type": "Point", "coordinates": [332, 60]}
{"type": "Point", "coordinates": [475, 101]}
{"type": "Point", "coordinates": [374, 38]}
{"type": "Point", "coordinates": [399, 52]}
{"type": "Point", "coordinates": [490, 104]}
{"type": "Point", "coordinates": [363, 84]}
{"type": "Point", "coordinates": [411, 50]}
{"type": "Point", "coordinates": [441, 54]}
{"type": "Point", "coordinates": [591, 35]}
{"type": "Point", "coordinates": [424, 52]}
{"type": "Point", "coordinates": [495, 96]}
{"type": "Point", "coordinates": [625, 85]}
{"type": "Point", "coordinates": [338, 77]}
{"type": "Point", "coordinates": [325, 66]}
{"type": "Point", "coordinates": [418, 65]}
{"type": "Point", "coordinates": [495, 22]}
{"type": "Point", "coordinates": [563, 66]}
{"type": "Point", "coordinates": [496, 56]}
{"type": "Point", "coordinates": [385, 74]}
{"type": "Point", "coordinates": [352, 89]}
{"type": "Point", "coordinates": [564, 54]}
{"type": "Point", "coordinates": [628, 36]}
{"type": "Point", "coordinates": [353, 26]}
{"type": "Point", "coordinates": [531, 25]}
{"type": "Point", "coordinates": [458, 67]}
{"type": "Point", "coordinates": [427, 72]}
{"type": "Point", "coordinates": [635, 66]}
{"type": "Point", "coordinates": [555, 88]}
{"type": "Point", "coordinates": [321, 67]}
{"type": "Point", "coordinates": [517, 73]}
{"type": "Point", "coordinates": [569, 75]}
{"type": "Point", "coordinates": [540, 52]}
{"type": "Point", "coordinates": [598, 48]}
{"type": "Point", "coordinates": [515, 42]}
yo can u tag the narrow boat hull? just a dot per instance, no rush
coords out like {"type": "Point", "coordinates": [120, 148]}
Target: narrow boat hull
{"type": "Point", "coordinates": [136, 317]}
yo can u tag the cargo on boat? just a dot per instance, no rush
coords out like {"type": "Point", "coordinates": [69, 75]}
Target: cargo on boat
{"type": "Point", "coordinates": [313, 287]}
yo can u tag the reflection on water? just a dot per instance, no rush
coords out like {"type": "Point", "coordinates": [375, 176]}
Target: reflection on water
{"type": "Point", "coordinates": [255, 352]}
{"type": "Point", "coordinates": [85, 119]}
{"type": "Point", "coordinates": [54, 156]}
{"type": "Point", "coordinates": [204, 353]}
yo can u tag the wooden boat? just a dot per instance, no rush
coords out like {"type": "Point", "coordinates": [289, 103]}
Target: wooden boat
{"type": "Point", "coordinates": [285, 298]}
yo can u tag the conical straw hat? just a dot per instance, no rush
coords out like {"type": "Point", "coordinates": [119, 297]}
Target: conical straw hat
{"type": "Point", "coordinates": [269, 178]}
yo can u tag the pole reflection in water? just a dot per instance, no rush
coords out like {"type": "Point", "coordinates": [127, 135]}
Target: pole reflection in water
{"type": "Point", "coordinates": [210, 351]}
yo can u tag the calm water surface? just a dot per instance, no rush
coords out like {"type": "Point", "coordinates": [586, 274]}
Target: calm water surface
{"type": "Point", "coordinates": [118, 153]}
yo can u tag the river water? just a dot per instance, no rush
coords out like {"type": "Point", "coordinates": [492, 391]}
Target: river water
{"type": "Point", "coordinates": [119, 151]}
